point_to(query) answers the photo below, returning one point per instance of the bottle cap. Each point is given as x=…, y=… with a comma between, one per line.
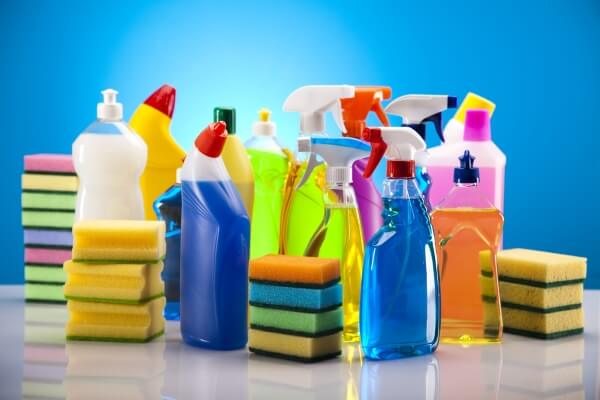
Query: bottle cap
x=466, y=173
x=477, y=126
x=473, y=102
x=163, y=99
x=227, y=115
x=110, y=110
x=211, y=140
x=264, y=126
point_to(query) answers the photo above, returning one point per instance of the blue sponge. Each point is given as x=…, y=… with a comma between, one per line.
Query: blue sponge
x=295, y=298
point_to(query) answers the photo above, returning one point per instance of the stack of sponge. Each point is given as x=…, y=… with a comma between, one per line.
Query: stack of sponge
x=541, y=293
x=48, y=199
x=295, y=307
x=114, y=289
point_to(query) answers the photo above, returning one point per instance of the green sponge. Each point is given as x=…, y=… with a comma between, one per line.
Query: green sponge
x=48, y=200
x=41, y=273
x=296, y=323
x=48, y=219
x=44, y=292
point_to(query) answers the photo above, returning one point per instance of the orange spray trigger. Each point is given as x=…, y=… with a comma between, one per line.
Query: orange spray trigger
x=356, y=109
x=378, y=148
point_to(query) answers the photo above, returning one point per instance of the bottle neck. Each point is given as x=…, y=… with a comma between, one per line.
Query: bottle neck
x=339, y=194
x=403, y=203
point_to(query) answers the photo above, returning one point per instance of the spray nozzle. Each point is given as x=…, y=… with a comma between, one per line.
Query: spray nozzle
x=417, y=109
x=109, y=109
x=397, y=144
x=339, y=153
x=313, y=101
x=466, y=173
x=356, y=109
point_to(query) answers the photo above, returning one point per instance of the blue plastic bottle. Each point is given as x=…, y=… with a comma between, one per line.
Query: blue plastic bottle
x=400, y=296
x=215, y=247
x=167, y=207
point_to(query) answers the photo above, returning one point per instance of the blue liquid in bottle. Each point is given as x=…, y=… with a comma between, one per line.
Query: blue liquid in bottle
x=214, y=266
x=424, y=182
x=168, y=208
x=400, y=303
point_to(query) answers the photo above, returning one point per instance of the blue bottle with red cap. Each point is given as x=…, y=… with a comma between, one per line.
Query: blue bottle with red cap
x=215, y=247
x=400, y=293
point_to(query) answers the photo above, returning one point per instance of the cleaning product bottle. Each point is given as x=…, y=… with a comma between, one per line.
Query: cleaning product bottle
x=269, y=166
x=416, y=110
x=168, y=208
x=339, y=235
x=400, y=301
x=455, y=128
x=215, y=246
x=490, y=160
x=152, y=121
x=355, y=112
x=109, y=159
x=235, y=158
x=467, y=230
x=304, y=208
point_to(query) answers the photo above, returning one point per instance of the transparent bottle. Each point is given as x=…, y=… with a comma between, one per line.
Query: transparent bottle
x=468, y=230
x=168, y=208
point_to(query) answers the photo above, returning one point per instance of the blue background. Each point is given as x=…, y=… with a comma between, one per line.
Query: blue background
x=538, y=60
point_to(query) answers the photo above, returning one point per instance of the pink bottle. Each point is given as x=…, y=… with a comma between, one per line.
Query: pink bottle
x=490, y=159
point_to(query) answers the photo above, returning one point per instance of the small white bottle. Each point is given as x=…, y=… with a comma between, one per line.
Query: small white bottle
x=109, y=159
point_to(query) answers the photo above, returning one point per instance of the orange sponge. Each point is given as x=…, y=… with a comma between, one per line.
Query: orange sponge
x=293, y=270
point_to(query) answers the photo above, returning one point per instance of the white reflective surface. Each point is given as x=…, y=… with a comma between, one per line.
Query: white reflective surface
x=35, y=362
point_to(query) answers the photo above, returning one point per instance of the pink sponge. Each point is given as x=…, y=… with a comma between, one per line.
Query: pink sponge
x=55, y=163
x=46, y=256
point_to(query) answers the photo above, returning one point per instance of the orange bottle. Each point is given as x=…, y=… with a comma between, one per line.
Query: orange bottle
x=355, y=111
x=467, y=232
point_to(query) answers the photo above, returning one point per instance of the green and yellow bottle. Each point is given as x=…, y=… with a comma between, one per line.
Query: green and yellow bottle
x=270, y=166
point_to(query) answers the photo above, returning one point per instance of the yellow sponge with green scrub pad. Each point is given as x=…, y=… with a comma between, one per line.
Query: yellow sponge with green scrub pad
x=309, y=324
x=44, y=219
x=540, y=325
x=48, y=201
x=535, y=297
x=44, y=273
x=540, y=268
x=44, y=292
x=296, y=348
x=49, y=183
x=113, y=283
x=115, y=322
x=119, y=241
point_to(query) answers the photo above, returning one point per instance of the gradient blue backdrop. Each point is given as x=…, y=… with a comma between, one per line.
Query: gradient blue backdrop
x=538, y=60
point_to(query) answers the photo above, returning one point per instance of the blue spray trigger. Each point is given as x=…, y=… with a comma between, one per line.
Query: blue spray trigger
x=437, y=122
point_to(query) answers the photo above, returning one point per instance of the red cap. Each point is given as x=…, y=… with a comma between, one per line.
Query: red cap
x=211, y=140
x=378, y=148
x=163, y=99
x=400, y=169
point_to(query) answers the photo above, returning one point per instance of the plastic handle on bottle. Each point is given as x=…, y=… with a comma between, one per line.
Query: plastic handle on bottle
x=377, y=108
x=378, y=149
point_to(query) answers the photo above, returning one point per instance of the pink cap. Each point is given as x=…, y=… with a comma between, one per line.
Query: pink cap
x=477, y=126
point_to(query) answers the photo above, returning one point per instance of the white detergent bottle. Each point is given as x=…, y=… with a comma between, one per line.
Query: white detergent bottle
x=109, y=159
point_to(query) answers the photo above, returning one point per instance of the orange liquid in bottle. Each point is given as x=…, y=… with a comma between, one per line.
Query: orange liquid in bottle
x=466, y=244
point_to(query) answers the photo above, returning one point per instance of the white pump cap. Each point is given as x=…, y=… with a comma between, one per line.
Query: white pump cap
x=110, y=110
x=313, y=101
x=403, y=143
x=264, y=126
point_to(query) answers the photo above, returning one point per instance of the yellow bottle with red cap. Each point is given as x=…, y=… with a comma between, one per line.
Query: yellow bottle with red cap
x=355, y=111
x=152, y=121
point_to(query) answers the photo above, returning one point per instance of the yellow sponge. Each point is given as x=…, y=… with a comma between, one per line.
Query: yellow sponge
x=297, y=348
x=543, y=325
x=115, y=322
x=540, y=298
x=305, y=271
x=113, y=283
x=540, y=268
x=119, y=241
x=49, y=183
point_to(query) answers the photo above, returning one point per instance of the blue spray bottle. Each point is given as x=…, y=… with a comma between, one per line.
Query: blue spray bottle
x=167, y=207
x=416, y=110
x=400, y=295
x=215, y=247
